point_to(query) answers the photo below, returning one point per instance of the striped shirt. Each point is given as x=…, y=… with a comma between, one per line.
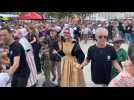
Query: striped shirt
x=31, y=63
x=30, y=60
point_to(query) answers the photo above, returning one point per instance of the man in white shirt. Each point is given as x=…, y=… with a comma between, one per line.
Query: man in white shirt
x=85, y=32
x=93, y=32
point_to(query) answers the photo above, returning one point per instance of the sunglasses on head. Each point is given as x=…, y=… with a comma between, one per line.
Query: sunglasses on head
x=105, y=37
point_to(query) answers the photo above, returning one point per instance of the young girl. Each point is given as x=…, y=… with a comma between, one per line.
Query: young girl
x=4, y=77
x=45, y=61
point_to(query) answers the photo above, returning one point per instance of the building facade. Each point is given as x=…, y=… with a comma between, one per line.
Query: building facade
x=112, y=15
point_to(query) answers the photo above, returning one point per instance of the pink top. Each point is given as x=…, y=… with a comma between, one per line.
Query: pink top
x=124, y=79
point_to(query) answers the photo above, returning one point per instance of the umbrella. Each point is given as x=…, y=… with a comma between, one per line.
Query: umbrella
x=31, y=16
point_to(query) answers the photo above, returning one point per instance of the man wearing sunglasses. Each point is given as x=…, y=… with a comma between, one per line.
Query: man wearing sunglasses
x=102, y=56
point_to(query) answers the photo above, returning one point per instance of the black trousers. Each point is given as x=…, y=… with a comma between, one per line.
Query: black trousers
x=19, y=81
x=37, y=63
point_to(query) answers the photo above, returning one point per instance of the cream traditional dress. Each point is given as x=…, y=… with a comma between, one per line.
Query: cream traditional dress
x=71, y=75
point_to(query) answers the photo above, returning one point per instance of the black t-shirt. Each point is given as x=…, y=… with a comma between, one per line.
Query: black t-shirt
x=53, y=44
x=101, y=63
x=77, y=31
x=120, y=27
x=36, y=45
x=128, y=29
x=110, y=28
x=16, y=49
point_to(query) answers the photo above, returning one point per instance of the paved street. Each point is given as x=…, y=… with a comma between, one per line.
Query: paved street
x=87, y=72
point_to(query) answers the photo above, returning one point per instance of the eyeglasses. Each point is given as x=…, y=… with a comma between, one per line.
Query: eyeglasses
x=105, y=37
x=117, y=42
x=67, y=32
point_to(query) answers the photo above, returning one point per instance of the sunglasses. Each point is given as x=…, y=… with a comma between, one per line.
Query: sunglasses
x=105, y=37
x=117, y=42
x=67, y=32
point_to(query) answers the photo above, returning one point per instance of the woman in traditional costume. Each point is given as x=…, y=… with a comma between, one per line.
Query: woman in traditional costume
x=71, y=76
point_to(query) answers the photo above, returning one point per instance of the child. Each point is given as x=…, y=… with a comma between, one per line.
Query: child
x=3, y=59
x=121, y=53
x=45, y=61
x=4, y=77
x=53, y=44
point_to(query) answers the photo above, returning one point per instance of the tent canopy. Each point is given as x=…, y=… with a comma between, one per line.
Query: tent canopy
x=4, y=18
x=8, y=15
x=31, y=16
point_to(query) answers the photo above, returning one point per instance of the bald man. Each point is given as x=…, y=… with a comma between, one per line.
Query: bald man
x=102, y=56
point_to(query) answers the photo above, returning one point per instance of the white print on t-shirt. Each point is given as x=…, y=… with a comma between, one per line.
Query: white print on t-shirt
x=108, y=58
x=11, y=52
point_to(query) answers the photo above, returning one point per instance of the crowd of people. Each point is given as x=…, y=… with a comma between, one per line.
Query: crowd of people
x=29, y=49
x=123, y=27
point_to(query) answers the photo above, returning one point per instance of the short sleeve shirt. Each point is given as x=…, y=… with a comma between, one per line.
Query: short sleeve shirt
x=101, y=63
x=16, y=49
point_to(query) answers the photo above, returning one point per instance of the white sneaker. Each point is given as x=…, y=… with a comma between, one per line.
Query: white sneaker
x=55, y=82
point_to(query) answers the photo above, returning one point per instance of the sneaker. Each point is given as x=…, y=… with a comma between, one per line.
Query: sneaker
x=49, y=84
x=53, y=78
